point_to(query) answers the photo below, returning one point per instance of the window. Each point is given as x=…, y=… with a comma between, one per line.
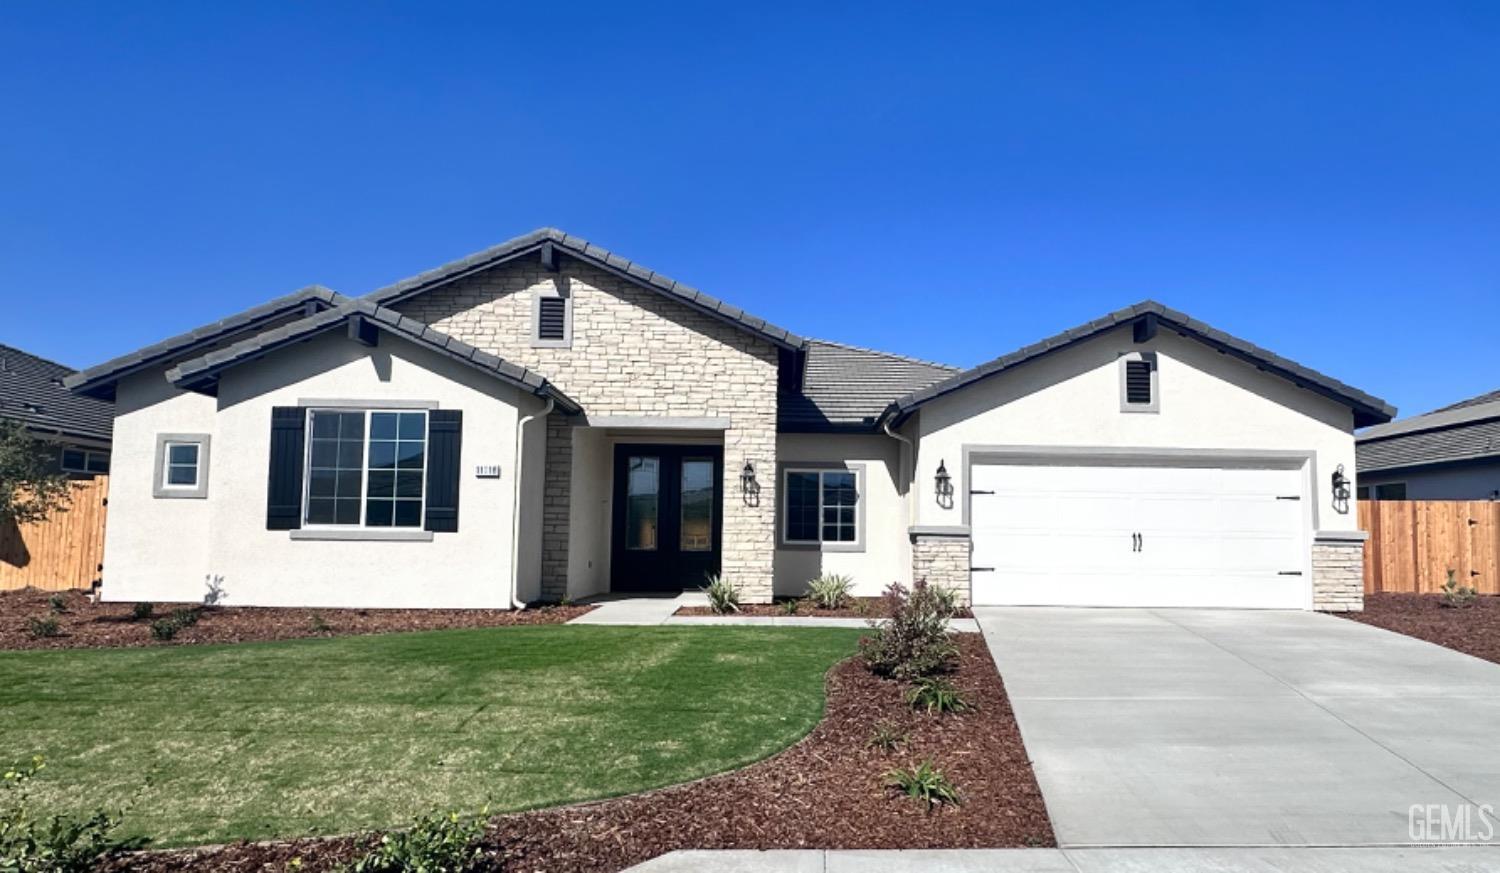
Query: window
x=1390, y=491
x=76, y=460
x=821, y=506
x=365, y=468
x=552, y=321
x=642, y=503
x=181, y=465
x=697, y=505
x=1138, y=382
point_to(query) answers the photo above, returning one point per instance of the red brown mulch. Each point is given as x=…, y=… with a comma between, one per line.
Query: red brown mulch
x=864, y=607
x=1473, y=630
x=85, y=625
x=826, y=792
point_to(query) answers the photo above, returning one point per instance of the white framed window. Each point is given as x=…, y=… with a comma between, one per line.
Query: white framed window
x=77, y=460
x=1139, y=383
x=551, y=320
x=821, y=507
x=181, y=468
x=365, y=468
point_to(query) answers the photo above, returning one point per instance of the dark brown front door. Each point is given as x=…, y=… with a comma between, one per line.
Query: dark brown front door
x=668, y=502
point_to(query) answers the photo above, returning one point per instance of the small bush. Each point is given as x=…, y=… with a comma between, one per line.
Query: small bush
x=30, y=843
x=1456, y=596
x=433, y=844
x=165, y=628
x=925, y=783
x=913, y=641
x=43, y=626
x=57, y=603
x=723, y=595
x=830, y=590
x=318, y=623
x=185, y=617
x=789, y=607
x=142, y=611
x=937, y=696
x=886, y=737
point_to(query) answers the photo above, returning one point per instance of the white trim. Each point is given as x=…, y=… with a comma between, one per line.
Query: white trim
x=1149, y=359
x=536, y=320
x=161, y=466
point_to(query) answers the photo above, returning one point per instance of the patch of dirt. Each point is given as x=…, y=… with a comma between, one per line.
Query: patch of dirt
x=1473, y=630
x=826, y=792
x=85, y=625
x=861, y=607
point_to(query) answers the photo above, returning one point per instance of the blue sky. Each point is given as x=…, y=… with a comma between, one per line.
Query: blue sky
x=942, y=181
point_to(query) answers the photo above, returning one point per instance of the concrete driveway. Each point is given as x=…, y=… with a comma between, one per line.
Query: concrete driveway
x=1230, y=728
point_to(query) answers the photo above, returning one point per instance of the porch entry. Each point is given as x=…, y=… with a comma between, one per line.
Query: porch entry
x=668, y=516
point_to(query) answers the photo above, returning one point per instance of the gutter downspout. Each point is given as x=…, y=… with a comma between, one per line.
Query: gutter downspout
x=515, y=503
x=909, y=452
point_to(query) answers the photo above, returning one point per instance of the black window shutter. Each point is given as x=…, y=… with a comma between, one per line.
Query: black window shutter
x=284, y=482
x=1138, y=382
x=552, y=317
x=445, y=431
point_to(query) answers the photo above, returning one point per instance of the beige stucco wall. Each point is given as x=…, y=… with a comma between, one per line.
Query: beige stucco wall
x=634, y=353
x=165, y=548
x=885, y=556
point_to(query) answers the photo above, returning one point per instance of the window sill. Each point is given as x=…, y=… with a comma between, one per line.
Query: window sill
x=820, y=547
x=364, y=535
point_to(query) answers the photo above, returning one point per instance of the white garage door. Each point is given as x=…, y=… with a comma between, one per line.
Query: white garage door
x=1138, y=536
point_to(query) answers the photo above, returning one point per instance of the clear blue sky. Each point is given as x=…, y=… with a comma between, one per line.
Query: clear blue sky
x=930, y=179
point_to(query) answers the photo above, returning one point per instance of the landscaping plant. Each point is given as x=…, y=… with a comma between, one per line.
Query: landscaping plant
x=913, y=641
x=789, y=607
x=723, y=595
x=142, y=611
x=1456, y=595
x=318, y=623
x=830, y=590
x=937, y=696
x=433, y=844
x=924, y=782
x=57, y=603
x=165, y=628
x=886, y=737
x=30, y=843
x=31, y=486
x=46, y=626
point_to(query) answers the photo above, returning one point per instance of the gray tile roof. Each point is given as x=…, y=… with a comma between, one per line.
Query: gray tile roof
x=32, y=392
x=1464, y=431
x=201, y=374
x=99, y=380
x=599, y=257
x=847, y=388
x=1367, y=409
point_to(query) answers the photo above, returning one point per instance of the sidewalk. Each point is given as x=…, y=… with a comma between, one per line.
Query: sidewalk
x=648, y=610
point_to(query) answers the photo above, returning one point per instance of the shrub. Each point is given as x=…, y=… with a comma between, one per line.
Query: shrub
x=318, y=623
x=185, y=617
x=924, y=782
x=142, y=611
x=30, y=843
x=937, y=696
x=830, y=590
x=165, y=628
x=57, y=603
x=433, y=844
x=886, y=737
x=789, y=607
x=1456, y=595
x=723, y=595
x=44, y=626
x=913, y=641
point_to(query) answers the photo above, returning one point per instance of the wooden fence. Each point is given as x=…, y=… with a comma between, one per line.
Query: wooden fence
x=65, y=551
x=1414, y=543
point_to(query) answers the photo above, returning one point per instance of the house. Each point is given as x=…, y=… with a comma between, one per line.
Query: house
x=1451, y=453
x=546, y=419
x=76, y=427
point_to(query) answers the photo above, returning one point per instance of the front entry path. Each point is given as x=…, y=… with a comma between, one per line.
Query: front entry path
x=660, y=609
x=1245, y=728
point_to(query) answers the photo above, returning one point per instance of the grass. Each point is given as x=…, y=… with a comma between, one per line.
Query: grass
x=208, y=744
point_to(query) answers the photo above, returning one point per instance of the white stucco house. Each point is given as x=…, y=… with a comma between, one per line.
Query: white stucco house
x=546, y=419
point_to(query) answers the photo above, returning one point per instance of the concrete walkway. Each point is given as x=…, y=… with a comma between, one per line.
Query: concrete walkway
x=659, y=609
x=1238, y=728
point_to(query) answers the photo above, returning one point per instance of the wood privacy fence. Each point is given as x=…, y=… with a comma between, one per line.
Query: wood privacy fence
x=65, y=551
x=1414, y=543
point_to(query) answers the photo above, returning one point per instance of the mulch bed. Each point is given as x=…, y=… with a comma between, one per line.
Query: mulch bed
x=1473, y=630
x=862, y=607
x=85, y=625
x=825, y=792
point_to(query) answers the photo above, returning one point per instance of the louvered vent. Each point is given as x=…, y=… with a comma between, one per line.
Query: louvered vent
x=552, y=318
x=1138, y=382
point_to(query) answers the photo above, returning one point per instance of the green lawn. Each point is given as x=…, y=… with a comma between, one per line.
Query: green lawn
x=213, y=743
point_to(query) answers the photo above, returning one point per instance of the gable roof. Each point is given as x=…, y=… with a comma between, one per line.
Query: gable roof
x=1464, y=431
x=99, y=381
x=847, y=388
x=202, y=373
x=1367, y=409
x=32, y=392
x=601, y=258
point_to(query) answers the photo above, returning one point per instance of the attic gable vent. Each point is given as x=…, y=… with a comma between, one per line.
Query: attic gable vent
x=1137, y=382
x=550, y=321
x=1139, y=391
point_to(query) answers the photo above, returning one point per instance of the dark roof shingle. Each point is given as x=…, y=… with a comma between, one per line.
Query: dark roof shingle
x=846, y=387
x=1464, y=431
x=32, y=392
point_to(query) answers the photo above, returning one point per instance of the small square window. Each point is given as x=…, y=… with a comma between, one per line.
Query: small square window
x=181, y=465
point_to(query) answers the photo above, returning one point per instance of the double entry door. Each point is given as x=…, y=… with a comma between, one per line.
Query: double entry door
x=667, y=519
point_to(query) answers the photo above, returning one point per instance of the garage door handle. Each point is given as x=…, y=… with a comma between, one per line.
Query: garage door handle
x=974, y=491
x=981, y=569
x=1289, y=573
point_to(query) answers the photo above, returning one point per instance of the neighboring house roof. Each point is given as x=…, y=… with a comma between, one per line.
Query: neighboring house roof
x=847, y=388
x=1465, y=431
x=576, y=247
x=99, y=381
x=32, y=392
x=202, y=373
x=1150, y=315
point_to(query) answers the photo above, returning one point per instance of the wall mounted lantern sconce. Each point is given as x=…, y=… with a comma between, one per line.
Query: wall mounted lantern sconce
x=1340, y=490
x=942, y=485
x=749, y=488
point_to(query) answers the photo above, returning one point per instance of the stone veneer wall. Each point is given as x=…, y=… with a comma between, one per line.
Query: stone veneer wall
x=942, y=559
x=634, y=352
x=1338, y=567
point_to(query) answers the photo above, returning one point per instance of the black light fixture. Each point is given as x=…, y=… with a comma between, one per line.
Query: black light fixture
x=942, y=483
x=1340, y=485
x=749, y=488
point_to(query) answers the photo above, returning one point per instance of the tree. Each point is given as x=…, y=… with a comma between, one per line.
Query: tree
x=31, y=486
